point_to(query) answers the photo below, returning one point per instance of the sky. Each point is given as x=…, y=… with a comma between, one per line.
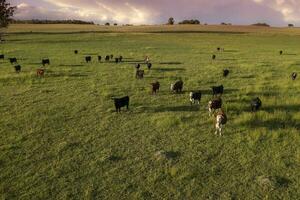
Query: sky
x=241, y=12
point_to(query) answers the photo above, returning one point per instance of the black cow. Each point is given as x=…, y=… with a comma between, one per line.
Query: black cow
x=18, y=68
x=139, y=74
x=138, y=66
x=99, y=58
x=214, y=105
x=121, y=58
x=225, y=72
x=219, y=49
x=294, y=76
x=217, y=90
x=88, y=59
x=177, y=86
x=280, y=52
x=107, y=58
x=121, y=102
x=255, y=104
x=76, y=51
x=155, y=87
x=13, y=60
x=195, y=96
x=214, y=57
x=111, y=56
x=45, y=61
x=2, y=57
x=149, y=65
x=117, y=60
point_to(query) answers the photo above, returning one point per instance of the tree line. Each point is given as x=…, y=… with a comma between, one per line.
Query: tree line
x=40, y=21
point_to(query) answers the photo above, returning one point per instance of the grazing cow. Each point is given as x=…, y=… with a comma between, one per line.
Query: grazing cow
x=121, y=102
x=107, y=58
x=214, y=57
x=13, y=60
x=121, y=58
x=255, y=104
x=219, y=49
x=221, y=120
x=294, y=76
x=99, y=58
x=177, y=86
x=155, y=87
x=214, y=105
x=139, y=74
x=117, y=60
x=88, y=59
x=138, y=66
x=195, y=96
x=76, y=51
x=147, y=59
x=111, y=56
x=280, y=52
x=18, y=68
x=217, y=90
x=45, y=61
x=225, y=72
x=2, y=57
x=149, y=65
x=40, y=72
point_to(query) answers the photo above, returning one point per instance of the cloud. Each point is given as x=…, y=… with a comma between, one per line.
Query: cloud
x=275, y=12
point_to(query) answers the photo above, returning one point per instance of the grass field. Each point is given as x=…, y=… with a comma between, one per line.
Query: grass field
x=60, y=137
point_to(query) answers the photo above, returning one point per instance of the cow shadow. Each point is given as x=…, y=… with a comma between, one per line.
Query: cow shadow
x=247, y=76
x=34, y=63
x=87, y=54
x=134, y=61
x=62, y=74
x=274, y=124
x=227, y=59
x=64, y=65
x=168, y=69
x=184, y=108
x=259, y=94
x=170, y=63
x=289, y=54
x=288, y=108
x=226, y=91
x=231, y=51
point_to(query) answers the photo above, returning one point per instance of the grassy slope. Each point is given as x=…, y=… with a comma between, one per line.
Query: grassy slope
x=60, y=137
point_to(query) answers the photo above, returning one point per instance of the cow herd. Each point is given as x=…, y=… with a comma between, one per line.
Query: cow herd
x=214, y=105
x=18, y=68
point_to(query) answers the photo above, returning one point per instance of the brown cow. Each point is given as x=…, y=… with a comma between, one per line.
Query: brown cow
x=40, y=72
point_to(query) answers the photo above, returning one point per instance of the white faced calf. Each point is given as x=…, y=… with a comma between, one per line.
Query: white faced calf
x=195, y=96
x=221, y=120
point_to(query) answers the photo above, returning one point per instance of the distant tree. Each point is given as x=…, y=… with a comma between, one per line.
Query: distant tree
x=261, y=24
x=171, y=21
x=226, y=24
x=6, y=12
x=107, y=24
x=115, y=24
x=192, y=21
x=41, y=21
x=291, y=25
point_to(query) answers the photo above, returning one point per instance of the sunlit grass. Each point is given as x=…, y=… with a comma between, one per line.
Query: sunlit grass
x=60, y=137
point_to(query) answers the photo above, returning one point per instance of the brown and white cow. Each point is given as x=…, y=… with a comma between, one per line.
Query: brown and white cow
x=221, y=120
